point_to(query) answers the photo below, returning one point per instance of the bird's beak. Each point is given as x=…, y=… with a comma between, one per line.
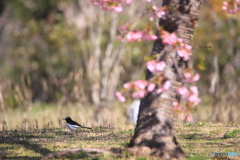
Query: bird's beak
x=64, y=118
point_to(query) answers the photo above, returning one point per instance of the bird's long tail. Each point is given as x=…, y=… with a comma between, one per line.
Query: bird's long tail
x=86, y=127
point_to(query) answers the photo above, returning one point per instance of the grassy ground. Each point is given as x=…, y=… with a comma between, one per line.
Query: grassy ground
x=196, y=139
x=40, y=131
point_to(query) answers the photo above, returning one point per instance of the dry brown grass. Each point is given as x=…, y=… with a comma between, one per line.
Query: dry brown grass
x=45, y=116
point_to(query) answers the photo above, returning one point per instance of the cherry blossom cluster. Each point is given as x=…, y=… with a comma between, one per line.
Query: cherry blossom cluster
x=116, y=6
x=192, y=99
x=191, y=95
x=141, y=88
x=156, y=12
x=183, y=50
x=231, y=6
x=190, y=78
x=112, y=5
x=179, y=109
x=133, y=36
x=154, y=66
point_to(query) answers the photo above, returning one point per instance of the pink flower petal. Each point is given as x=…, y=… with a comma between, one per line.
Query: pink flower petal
x=128, y=1
x=118, y=9
x=194, y=99
x=189, y=118
x=159, y=90
x=128, y=85
x=183, y=91
x=166, y=85
x=151, y=87
x=119, y=96
x=187, y=75
x=160, y=66
x=139, y=94
x=141, y=84
x=194, y=89
x=196, y=77
x=174, y=103
x=151, y=65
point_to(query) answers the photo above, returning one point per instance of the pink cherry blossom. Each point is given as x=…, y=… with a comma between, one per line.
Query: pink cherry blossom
x=194, y=99
x=134, y=36
x=159, y=90
x=183, y=91
x=196, y=77
x=121, y=38
x=185, y=52
x=139, y=94
x=119, y=96
x=128, y=1
x=154, y=66
x=160, y=13
x=194, y=89
x=175, y=103
x=128, y=85
x=141, y=84
x=111, y=5
x=176, y=106
x=169, y=38
x=151, y=87
x=166, y=85
x=157, y=12
x=160, y=66
x=155, y=8
x=118, y=9
x=151, y=65
x=231, y=6
x=124, y=28
x=187, y=75
x=189, y=78
x=150, y=37
x=189, y=118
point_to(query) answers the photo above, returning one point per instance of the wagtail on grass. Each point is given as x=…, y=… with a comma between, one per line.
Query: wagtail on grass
x=72, y=125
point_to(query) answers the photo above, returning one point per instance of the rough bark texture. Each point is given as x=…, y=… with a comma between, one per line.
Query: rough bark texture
x=155, y=131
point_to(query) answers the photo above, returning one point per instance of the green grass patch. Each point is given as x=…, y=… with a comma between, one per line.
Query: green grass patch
x=200, y=123
x=232, y=134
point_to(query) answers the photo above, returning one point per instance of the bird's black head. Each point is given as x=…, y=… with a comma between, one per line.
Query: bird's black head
x=67, y=119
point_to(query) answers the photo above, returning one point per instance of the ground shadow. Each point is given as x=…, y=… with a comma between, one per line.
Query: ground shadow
x=23, y=139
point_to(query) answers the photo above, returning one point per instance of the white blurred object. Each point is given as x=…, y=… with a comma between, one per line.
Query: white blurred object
x=133, y=113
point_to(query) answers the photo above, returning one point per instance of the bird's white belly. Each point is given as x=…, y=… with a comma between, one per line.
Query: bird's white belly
x=72, y=127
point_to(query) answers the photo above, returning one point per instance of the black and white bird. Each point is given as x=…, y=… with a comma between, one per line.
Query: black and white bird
x=72, y=125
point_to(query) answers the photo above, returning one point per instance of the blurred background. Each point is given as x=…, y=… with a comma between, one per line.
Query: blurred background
x=62, y=58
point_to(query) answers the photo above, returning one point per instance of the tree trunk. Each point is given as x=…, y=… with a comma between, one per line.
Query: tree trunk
x=155, y=131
